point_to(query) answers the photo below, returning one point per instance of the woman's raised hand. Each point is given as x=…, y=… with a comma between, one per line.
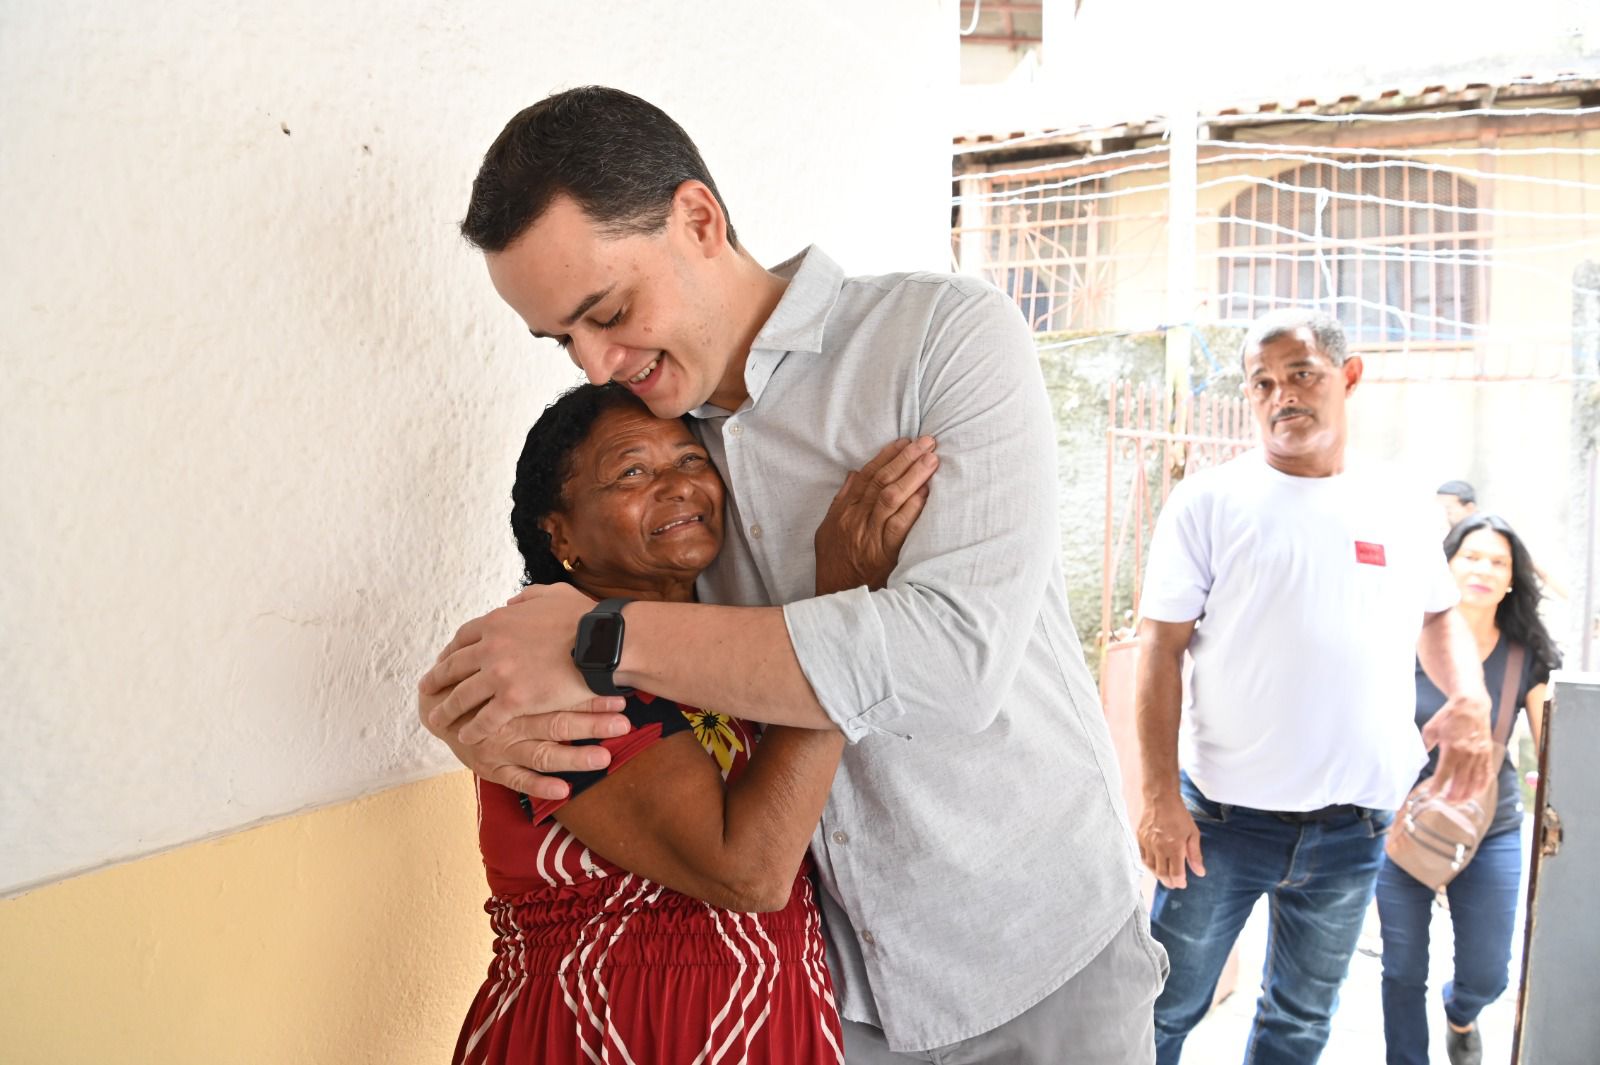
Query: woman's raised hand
x=859, y=540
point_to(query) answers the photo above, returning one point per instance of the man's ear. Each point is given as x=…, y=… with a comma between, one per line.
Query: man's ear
x=697, y=211
x=1353, y=367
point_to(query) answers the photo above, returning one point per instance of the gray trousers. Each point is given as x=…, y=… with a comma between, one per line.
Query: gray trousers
x=1102, y=1016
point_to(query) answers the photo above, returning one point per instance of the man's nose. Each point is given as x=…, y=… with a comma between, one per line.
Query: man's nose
x=598, y=358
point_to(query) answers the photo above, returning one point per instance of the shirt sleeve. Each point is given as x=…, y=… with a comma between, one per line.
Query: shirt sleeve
x=938, y=650
x=1178, y=575
x=1440, y=591
x=653, y=720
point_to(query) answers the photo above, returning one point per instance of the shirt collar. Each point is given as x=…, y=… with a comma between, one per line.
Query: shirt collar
x=796, y=324
x=802, y=312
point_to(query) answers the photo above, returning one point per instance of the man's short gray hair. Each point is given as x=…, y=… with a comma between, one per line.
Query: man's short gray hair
x=1326, y=332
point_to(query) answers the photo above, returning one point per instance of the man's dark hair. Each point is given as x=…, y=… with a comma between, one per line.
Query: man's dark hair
x=620, y=158
x=1461, y=490
x=1326, y=332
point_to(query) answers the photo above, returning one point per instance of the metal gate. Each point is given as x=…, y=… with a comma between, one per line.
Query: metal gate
x=1149, y=447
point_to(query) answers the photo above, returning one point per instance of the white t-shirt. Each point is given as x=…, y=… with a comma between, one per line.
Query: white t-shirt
x=1310, y=593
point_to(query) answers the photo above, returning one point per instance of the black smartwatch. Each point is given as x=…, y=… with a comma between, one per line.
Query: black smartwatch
x=598, y=650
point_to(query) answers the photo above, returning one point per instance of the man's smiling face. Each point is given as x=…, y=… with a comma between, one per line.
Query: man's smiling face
x=639, y=309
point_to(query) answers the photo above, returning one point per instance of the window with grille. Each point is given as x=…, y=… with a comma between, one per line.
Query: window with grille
x=1045, y=245
x=1391, y=248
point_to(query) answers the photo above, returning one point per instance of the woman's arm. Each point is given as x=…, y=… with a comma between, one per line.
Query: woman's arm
x=1536, y=697
x=667, y=814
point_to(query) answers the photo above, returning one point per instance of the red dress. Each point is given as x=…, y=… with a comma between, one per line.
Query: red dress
x=594, y=964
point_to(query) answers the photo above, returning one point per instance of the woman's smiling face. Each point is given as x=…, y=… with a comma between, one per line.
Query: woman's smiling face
x=642, y=507
x=1482, y=568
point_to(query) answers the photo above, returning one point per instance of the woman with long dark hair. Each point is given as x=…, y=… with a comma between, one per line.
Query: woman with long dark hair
x=1500, y=595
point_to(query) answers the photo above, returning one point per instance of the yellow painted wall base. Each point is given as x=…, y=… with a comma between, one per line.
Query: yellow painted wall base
x=349, y=935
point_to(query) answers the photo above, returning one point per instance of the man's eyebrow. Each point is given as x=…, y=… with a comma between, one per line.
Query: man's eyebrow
x=588, y=301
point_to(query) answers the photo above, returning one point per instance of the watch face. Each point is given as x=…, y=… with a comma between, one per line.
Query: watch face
x=599, y=644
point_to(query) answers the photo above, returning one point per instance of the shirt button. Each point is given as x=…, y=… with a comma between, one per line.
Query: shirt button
x=841, y=837
x=755, y=532
x=868, y=938
x=735, y=430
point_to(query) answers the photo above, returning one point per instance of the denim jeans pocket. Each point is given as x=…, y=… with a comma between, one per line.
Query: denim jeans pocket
x=1200, y=807
x=1378, y=822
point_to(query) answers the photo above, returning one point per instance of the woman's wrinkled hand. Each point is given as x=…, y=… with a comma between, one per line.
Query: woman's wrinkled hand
x=859, y=540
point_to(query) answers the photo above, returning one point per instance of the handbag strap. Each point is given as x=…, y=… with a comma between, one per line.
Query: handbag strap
x=1508, y=694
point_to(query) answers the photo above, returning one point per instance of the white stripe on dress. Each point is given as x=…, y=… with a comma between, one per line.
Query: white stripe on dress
x=565, y=969
x=733, y=990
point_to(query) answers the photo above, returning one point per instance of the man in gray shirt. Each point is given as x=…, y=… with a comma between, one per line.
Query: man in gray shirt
x=978, y=872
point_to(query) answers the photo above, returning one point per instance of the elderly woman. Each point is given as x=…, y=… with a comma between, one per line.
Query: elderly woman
x=1500, y=601
x=663, y=912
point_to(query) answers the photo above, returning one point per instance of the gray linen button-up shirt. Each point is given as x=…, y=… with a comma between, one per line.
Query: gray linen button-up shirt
x=974, y=851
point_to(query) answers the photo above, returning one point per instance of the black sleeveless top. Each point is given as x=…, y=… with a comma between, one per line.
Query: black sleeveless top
x=1508, y=815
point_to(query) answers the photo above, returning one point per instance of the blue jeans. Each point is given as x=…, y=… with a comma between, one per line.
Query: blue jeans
x=1483, y=912
x=1318, y=878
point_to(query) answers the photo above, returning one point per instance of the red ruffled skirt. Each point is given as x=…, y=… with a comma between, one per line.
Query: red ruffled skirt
x=620, y=969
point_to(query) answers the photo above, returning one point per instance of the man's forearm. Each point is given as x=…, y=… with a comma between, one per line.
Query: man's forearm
x=1449, y=655
x=1460, y=729
x=1159, y=704
x=736, y=660
x=1159, y=708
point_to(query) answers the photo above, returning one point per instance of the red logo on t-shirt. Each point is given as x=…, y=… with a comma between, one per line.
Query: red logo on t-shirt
x=1371, y=554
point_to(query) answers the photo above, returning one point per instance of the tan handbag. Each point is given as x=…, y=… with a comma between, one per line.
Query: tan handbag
x=1432, y=839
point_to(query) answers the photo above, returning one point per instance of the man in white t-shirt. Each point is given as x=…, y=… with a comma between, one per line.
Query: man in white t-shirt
x=1300, y=593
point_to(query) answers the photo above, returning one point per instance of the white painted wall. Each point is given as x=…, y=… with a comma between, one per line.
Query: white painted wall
x=262, y=404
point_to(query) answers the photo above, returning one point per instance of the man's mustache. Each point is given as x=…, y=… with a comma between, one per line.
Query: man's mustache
x=1291, y=412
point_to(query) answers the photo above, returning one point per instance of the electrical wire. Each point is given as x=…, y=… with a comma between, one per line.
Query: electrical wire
x=1023, y=197
x=1389, y=164
x=1385, y=201
x=1378, y=150
x=977, y=7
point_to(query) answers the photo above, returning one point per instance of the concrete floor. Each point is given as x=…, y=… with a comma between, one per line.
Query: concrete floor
x=1357, y=1037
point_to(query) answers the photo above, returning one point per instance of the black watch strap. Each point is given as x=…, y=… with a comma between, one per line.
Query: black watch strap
x=598, y=650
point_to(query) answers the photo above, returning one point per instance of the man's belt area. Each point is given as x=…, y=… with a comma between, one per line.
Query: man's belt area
x=1326, y=813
